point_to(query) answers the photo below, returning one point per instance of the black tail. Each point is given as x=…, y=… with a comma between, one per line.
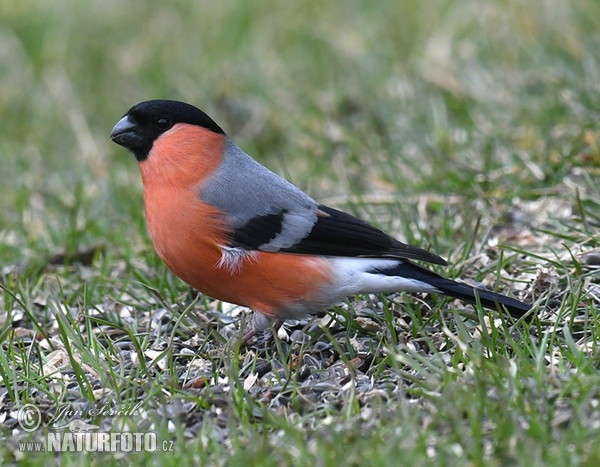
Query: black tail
x=487, y=299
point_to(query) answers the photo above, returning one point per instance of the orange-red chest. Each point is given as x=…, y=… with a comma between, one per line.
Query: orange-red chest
x=188, y=234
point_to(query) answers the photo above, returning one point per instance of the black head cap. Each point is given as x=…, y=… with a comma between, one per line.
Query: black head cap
x=146, y=121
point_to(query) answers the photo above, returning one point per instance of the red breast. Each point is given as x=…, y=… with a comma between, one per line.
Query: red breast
x=188, y=234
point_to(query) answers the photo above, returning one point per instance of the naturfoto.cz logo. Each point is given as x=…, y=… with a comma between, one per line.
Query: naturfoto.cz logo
x=98, y=442
x=79, y=436
x=111, y=442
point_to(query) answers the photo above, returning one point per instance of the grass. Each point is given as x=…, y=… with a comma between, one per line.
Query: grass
x=469, y=128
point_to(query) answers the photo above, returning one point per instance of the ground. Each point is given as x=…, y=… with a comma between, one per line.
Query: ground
x=467, y=128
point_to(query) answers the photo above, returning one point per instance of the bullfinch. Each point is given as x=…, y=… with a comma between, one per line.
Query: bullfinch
x=236, y=231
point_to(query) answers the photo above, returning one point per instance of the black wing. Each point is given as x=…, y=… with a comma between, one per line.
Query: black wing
x=334, y=233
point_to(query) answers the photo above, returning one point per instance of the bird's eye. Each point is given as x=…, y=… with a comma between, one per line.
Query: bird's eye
x=163, y=123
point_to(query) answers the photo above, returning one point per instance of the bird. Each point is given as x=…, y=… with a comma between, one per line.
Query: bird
x=236, y=231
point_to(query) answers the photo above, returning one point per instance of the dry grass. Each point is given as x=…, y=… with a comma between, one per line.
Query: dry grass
x=465, y=127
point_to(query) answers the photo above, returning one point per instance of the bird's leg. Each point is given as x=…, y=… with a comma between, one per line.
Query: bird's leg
x=259, y=324
x=247, y=336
